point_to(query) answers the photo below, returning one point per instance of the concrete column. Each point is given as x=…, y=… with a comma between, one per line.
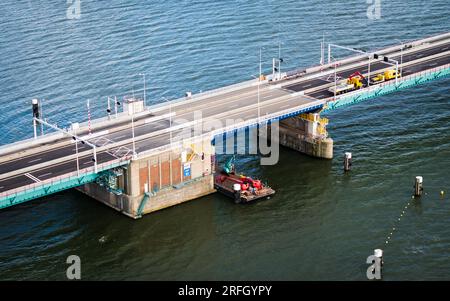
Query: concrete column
x=307, y=134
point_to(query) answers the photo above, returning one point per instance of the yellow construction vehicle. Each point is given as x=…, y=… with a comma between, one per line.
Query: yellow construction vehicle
x=354, y=82
x=357, y=80
x=385, y=76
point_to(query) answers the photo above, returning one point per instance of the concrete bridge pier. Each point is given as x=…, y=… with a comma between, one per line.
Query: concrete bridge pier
x=157, y=181
x=307, y=134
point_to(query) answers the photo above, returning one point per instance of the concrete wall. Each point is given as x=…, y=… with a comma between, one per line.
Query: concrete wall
x=122, y=203
x=303, y=135
x=161, y=178
x=172, y=196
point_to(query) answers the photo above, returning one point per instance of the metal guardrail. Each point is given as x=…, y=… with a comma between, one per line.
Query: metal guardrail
x=381, y=86
x=65, y=177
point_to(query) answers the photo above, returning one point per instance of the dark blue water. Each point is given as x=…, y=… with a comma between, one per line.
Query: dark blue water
x=321, y=225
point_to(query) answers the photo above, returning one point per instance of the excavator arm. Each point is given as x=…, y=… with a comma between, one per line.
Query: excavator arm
x=229, y=165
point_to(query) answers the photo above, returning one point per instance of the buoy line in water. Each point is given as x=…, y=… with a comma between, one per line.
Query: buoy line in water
x=397, y=221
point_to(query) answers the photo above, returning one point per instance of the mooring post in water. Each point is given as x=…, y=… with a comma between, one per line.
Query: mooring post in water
x=418, y=187
x=379, y=254
x=35, y=105
x=347, y=161
x=374, y=271
x=237, y=193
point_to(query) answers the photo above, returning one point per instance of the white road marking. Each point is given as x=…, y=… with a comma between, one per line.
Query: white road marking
x=234, y=106
x=306, y=86
x=120, y=137
x=32, y=161
x=444, y=48
x=285, y=106
x=32, y=177
x=88, y=162
x=46, y=174
x=157, y=118
x=94, y=135
x=298, y=93
x=1, y=187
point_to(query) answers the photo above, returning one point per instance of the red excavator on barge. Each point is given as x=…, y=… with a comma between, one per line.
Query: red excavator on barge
x=241, y=188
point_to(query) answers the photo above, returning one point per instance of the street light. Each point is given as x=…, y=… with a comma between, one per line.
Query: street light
x=322, y=50
x=170, y=119
x=76, y=151
x=259, y=80
x=335, y=77
x=145, y=102
x=280, y=60
x=108, y=110
x=132, y=132
x=116, y=104
x=401, y=55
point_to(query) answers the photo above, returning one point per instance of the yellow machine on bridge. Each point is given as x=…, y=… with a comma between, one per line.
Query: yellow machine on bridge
x=386, y=75
x=354, y=82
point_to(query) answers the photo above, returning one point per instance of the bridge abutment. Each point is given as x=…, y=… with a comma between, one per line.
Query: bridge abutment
x=157, y=181
x=306, y=133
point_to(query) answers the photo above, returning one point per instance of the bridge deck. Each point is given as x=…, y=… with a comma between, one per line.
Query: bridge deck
x=28, y=163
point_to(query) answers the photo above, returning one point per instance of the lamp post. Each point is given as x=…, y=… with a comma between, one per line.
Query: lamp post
x=322, y=50
x=132, y=130
x=335, y=79
x=108, y=110
x=76, y=151
x=280, y=60
x=170, y=120
x=116, y=103
x=145, y=99
x=259, y=80
x=401, y=55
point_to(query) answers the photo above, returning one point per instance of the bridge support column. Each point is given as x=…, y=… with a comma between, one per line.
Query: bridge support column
x=307, y=134
x=159, y=180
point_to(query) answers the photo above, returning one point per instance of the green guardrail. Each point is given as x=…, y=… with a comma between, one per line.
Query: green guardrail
x=382, y=90
x=53, y=187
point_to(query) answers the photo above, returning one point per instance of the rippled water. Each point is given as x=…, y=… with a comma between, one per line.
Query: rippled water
x=321, y=225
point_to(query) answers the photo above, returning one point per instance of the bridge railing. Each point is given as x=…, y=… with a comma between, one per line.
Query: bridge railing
x=416, y=75
x=68, y=176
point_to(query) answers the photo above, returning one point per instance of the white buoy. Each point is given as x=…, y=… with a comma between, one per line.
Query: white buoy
x=347, y=161
x=35, y=106
x=379, y=254
x=418, y=187
x=237, y=192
